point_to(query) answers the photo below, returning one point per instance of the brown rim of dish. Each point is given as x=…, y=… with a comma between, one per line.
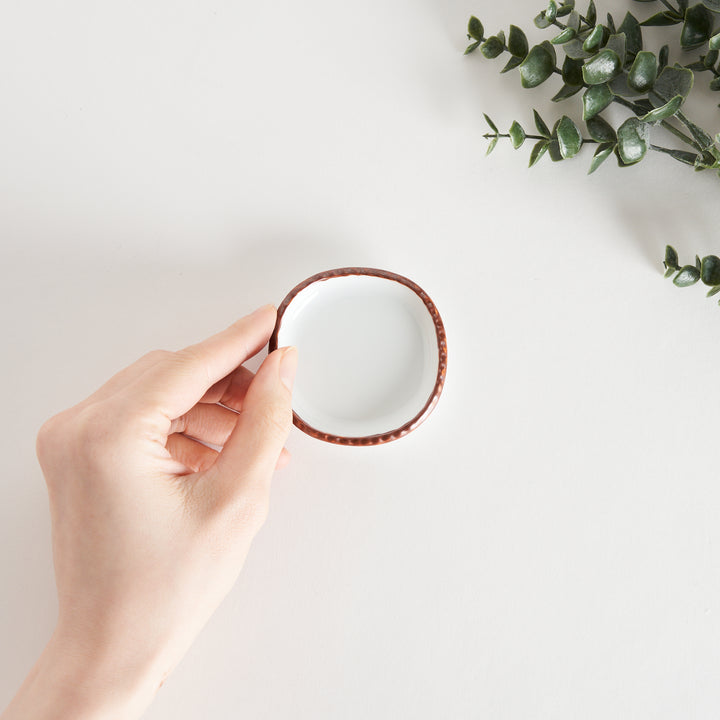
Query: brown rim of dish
x=441, y=344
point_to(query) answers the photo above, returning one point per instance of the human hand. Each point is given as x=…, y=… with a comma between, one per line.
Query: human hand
x=150, y=528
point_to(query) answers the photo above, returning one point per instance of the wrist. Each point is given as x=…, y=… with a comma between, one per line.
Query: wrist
x=71, y=679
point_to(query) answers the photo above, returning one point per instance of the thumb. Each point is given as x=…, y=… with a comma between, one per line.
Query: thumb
x=252, y=450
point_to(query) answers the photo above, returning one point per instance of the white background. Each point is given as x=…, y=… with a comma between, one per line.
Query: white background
x=547, y=545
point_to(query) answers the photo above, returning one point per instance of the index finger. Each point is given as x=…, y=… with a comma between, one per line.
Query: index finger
x=176, y=384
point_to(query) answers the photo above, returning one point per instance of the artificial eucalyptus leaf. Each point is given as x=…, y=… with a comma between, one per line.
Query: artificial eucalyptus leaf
x=633, y=141
x=517, y=134
x=710, y=270
x=551, y=11
x=670, y=82
x=616, y=42
x=472, y=47
x=704, y=140
x=565, y=9
x=633, y=34
x=566, y=35
x=664, y=111
x=684, y=156
x=569, y=137
x=714, y=42
x=541, y=21
x=490, y=123
x=663, y=56
x=601, y=130
x=603, y=67
x=574, y=49
x=713, y=5
x=539, y=149
x=715, y=83
x=710, y=58
x=542, y=128
x=688, y=275
x=662, y=19
x=611, y=24
x=565, y=92
x=517, y=42
x=551, y=50
x=491, y=145
x=669, y=272
x=554, y=151
x=475, y=29
x=603, y=152
x=591, y=14
x=713, y=291
x=619, y=86
x=671, y=258
x=511, y=64
x=574, y=21
x=572, y=71
x=537, y=67
x=595, y=100
x=492, y=47
x=643, y=72
x=698, y=27
x=594, y=39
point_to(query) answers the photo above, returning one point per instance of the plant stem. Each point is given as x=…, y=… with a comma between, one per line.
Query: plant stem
x=489, y=136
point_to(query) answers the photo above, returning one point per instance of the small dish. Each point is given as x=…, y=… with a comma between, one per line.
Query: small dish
x=372, y=355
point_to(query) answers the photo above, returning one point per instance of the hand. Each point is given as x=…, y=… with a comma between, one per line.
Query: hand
x=150, y=528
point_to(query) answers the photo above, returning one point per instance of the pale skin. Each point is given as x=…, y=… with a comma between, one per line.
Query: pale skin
x=150, y=528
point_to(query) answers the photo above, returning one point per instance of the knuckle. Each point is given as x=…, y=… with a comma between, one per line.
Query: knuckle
x=156, y=356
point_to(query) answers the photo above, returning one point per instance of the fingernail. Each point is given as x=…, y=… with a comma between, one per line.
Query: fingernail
x=288, y=367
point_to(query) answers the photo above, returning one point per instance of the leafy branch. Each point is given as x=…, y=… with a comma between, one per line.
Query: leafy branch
x=609, y=64
x=707, y=270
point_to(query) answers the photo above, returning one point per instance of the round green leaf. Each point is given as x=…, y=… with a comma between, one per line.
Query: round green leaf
x=689, y=275
x=698, y=27
x=671, y=81
x=595, y=100
x=600, y=130
x=517, y=42
x=664, y=111
x=492, y=47
x=671, y=258
x=594, y=39
x=551, y=12
x=569, y=137
x=566, y=35
x=633, y=140
x=475, y=29
x=662, y=19
x=710, y=270
x=714, y=5
x=572, y=71
x=715, y=84
x=711, y=58
x=517, y=134
x=715, y=42
x=643, y=72
x=537, y=67
x=603, y=67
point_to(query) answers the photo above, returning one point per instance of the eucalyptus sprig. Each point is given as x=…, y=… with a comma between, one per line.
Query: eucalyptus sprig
x=707, y=270
x=609, y=64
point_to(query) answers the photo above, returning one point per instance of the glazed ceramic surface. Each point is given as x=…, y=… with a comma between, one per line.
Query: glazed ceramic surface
x=372, y=354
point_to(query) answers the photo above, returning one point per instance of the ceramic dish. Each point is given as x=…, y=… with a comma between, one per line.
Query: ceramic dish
x=372, y=355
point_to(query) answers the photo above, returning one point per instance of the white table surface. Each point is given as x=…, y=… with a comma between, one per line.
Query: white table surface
x=547, y=545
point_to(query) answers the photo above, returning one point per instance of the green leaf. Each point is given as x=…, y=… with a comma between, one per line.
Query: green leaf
x=698, y=262
x=539, y=149
x=542, y=128
x=710, y=270
x=572, y=71
x=713, y=5
x=541, y=21
x=688, y=275
x=662, y=19
x=715, y=84
x=517, y=134
x=713, y=291
x=594, y=39
x=537, y=67
x=633, y=137
x=551, y=12
x=704, y=140
x=492, y=47
x=565, y=92
x=595, y=100
x=698, y=27
x=569, y=137
x=475, y=29
x=472, y=47
x=611, y=24
x=603, y=152
x=633, y=34
x=591, y=14
x=643, y=72
x=670, y=82
x=671, y=258
x=603, y=67
x=554, y=151
x=664, y=111
x=492, y=144
x=566, y=35
x=601, y=130
x=574, y=49
x=711, y=58
x=684, y=156
x=668, y=273
x=511, y=64
x=616, y=42
x=490, y=123
x=663, y=57
x=517, y=42
x=619, y=86
x=715, y=42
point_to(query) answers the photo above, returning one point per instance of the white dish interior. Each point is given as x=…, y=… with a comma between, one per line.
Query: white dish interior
x=368, y=354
